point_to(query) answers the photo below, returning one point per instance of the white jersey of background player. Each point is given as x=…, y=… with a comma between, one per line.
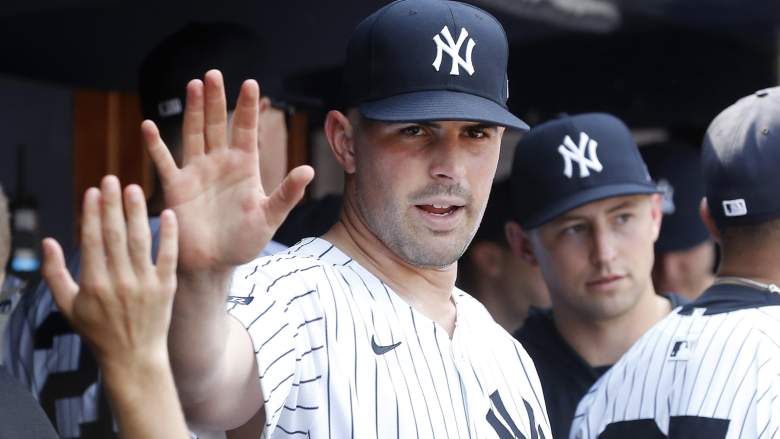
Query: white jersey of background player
x=44, y=353
x=361, y=333
x=711, y=369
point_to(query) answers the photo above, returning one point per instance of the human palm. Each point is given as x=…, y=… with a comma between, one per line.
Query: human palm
x=225, y=217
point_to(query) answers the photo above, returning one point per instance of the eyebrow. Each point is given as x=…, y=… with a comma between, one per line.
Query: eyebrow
x=623, y=205
x=483, y=126
x=565, y=218
x=434, y=124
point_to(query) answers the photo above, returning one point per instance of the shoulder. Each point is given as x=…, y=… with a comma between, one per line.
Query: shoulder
x=298, y=266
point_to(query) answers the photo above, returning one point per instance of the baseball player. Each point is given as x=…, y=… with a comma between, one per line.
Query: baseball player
x=587, y=213
x=361, y=332
x=506, y=284
x=710, y=369
x=41, y=349
x=684, y=252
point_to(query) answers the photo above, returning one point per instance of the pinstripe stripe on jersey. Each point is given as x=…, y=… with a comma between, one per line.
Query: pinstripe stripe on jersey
x=80, y=408
x=426, y=386
x=724, y=381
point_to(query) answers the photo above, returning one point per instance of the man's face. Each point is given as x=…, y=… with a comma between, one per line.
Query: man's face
x=686, y=271
x=597, y=258
x=421, y=188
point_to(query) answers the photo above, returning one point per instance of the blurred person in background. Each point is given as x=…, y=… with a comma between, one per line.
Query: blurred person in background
x=42, y=350
x=11, y=287
x=685, y=255
x=506, y=284
x=20, y=414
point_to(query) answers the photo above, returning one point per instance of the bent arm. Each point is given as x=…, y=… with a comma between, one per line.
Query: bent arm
x=212, y=357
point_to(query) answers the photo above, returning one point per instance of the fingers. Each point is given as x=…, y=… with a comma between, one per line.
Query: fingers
x=161, y=156
x=245, y=118
x=194, y=143
x=93, y=259
x=167, y=255
x=138, y=235
x=216, y=113
x=113, y=225
x=287, y=195
x=56, y=274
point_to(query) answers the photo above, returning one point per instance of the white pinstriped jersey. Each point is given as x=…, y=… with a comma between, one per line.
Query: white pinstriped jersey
x=340, y=355
x=42, y=351
x=711, y=369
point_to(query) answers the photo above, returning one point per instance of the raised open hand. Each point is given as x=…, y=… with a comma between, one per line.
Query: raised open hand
x=122, y=303
x=225, y=217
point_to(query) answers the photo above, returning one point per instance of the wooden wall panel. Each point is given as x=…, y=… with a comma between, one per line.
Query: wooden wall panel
x=107, y=140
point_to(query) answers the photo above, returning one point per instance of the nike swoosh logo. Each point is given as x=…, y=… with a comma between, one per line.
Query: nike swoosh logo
x=381, y=350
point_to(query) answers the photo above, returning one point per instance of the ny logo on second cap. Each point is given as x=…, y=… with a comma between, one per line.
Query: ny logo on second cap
x=572, y=152
x=453, y=50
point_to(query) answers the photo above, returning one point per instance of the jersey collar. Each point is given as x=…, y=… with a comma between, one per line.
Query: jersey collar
x=723, y=298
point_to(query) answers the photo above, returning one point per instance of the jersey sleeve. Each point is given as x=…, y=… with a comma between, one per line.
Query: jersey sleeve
x=276, y=299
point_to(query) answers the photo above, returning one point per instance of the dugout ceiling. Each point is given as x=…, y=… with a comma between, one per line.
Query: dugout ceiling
x=628, y=55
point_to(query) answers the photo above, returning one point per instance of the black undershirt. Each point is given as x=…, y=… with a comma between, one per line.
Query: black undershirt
x=564, y=374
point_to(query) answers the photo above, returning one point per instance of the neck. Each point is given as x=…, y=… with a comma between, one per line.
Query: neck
x=427, y=289
x=602, y=342
x=756, y=264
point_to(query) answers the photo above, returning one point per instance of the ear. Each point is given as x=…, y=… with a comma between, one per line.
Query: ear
x=520, y=242
x=708, y=220
x=487, y=258
x=341, y=137
x=656, y=214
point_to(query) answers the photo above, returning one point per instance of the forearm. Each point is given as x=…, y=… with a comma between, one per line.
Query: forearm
x=212, y=356
x=144, y=399
x=199, y=328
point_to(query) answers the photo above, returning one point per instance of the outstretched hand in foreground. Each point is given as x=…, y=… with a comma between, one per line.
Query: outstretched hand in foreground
x=122, y=306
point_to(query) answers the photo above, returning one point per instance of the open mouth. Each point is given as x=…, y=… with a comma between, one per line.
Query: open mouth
x=438, y=210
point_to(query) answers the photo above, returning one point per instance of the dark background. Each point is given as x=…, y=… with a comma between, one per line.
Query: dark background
x=655, y=63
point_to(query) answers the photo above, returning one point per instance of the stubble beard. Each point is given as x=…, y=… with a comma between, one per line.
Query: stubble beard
x=389, y=225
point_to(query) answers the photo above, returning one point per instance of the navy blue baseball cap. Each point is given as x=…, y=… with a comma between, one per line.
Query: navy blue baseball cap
x=571, y=161
x=188, y=53
x=428, y=60
x=676, y=168
x=741, y=159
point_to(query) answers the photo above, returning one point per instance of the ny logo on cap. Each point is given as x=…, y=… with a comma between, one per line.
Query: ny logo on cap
x=573, y=152
x=453, y=50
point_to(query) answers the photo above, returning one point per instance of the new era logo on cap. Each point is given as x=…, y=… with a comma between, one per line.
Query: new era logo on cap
x=572, y=152
x=736, y=207
x=452, y=49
